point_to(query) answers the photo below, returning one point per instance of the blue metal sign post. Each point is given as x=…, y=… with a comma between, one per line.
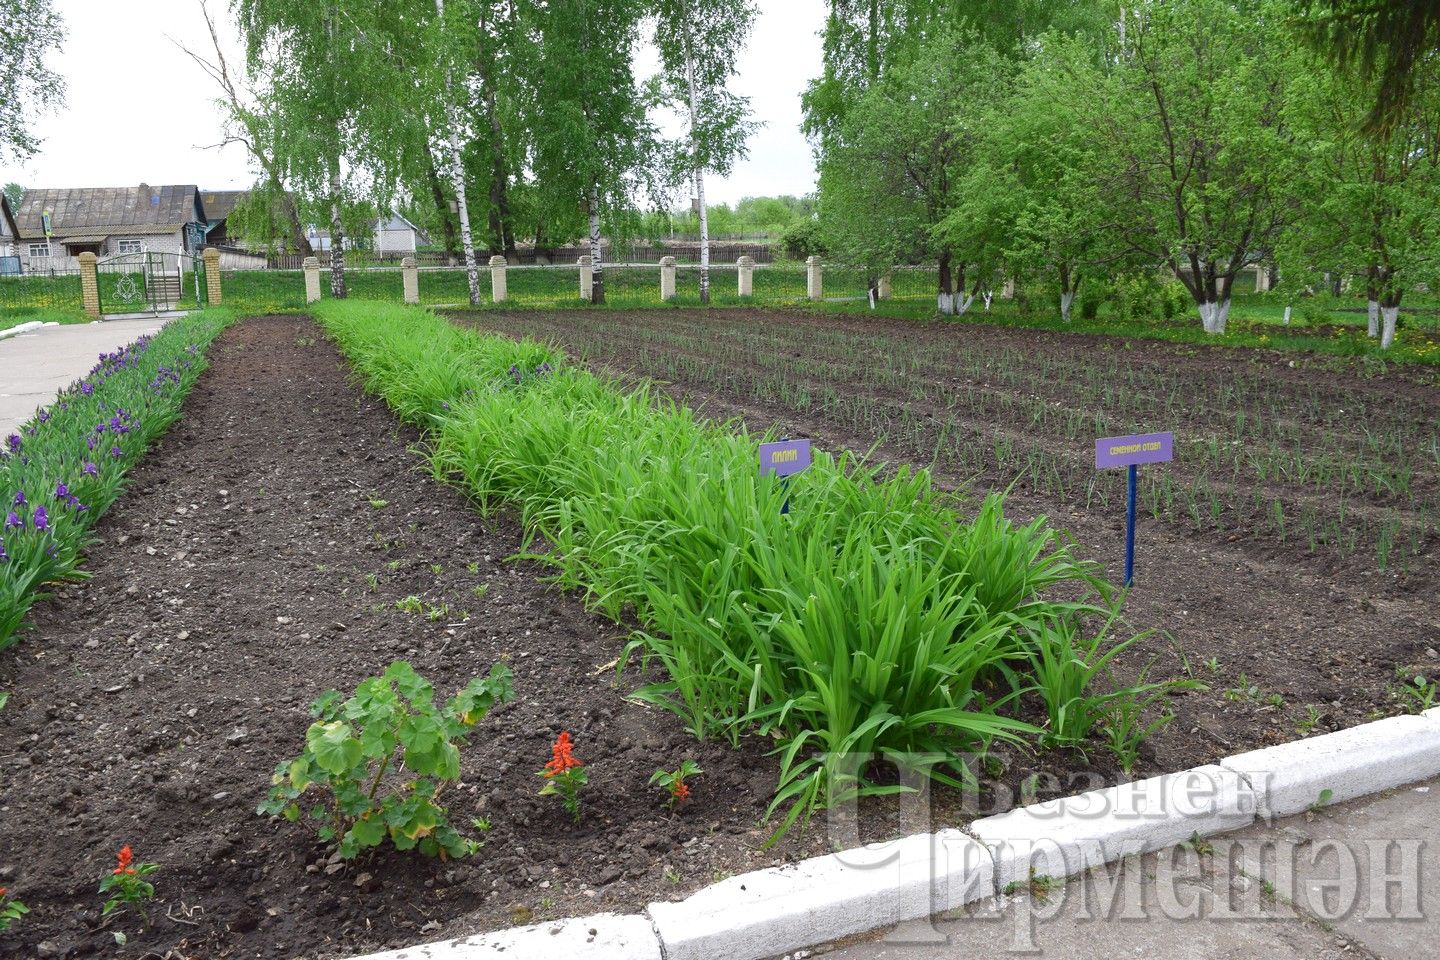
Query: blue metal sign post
x=1131, y=452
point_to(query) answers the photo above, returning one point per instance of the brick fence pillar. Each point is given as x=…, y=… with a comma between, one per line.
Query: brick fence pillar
x=746, y=269
x=667, y=279
x=587, y=279
x=410, y=280
x=312, y=279
x=814, y=279
x=499, y=287
x=213, y=293
x=89, y=285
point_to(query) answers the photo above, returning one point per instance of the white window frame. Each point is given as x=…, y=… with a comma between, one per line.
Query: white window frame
x=40, y=250
x=130, y=245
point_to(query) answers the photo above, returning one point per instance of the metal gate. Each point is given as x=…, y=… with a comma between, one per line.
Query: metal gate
x=150, y=283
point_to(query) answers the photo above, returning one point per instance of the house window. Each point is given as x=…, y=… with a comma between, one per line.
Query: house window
x=39, y=249
x=129, y=246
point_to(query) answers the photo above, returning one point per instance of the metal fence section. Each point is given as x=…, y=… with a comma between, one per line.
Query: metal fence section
x=150, y=283
x=40, y=295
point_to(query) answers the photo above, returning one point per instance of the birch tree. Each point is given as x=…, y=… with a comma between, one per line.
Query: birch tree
x=698, y=41
x=592, y=139
x=440, y=32
x=325, y=66
x=29, y=30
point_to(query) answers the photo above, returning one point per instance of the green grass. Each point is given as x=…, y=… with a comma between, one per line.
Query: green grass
x=879, y=618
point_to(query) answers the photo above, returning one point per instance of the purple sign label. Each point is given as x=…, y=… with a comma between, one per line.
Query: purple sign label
x=784, y=458
x=1133, y=451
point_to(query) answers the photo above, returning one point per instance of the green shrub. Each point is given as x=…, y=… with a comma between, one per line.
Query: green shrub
x=378, y=761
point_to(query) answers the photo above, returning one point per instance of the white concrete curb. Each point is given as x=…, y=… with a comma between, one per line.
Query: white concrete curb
x=1060, y=838
x=605, y=936
x=770, y=912
x=18, y=329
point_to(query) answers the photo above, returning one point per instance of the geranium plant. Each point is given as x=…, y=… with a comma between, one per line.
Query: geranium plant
x=127, y=885
x=673, y=782
x=10, y=910
x=564, y=775
x=378, y=761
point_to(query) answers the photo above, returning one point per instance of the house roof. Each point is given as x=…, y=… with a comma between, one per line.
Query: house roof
x=219, y=203
x=141, y=210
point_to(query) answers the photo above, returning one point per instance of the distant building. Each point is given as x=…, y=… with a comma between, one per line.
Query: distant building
x=218, y=206
x=398, y=235
x=9, y=239
x=56, y=226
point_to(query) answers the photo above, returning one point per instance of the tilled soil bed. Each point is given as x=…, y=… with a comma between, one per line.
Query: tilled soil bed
x=255, y=562
x=1287, y=642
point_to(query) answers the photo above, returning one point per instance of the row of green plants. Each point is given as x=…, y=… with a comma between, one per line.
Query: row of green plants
x=869, y=621
x=62, y=469
x=1300, y=461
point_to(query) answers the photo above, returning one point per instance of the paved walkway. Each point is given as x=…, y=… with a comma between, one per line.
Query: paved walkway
x=1359, y=880
x=34, y=366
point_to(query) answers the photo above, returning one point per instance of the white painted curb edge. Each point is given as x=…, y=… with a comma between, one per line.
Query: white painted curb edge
x=766, y=913
x=26, y=327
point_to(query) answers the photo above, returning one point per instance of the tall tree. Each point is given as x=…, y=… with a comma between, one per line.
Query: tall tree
x=1372, y=192
x=698, y=42
x=249, y=122
x=29, y=31
x=591, y=137
x=326, y=64
x=1195, y=153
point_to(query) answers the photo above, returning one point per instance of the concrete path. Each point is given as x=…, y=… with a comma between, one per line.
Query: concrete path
x=1359, y=880
x=34, y=366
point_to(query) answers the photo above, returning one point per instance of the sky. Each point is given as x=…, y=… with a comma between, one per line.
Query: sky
x=140, y=111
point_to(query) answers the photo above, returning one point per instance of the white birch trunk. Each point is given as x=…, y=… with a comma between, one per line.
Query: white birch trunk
x=457, y=178
x=597, y=256
x=1373, y=309
x=1067, y=300
x=1387, y=336
x=337, y=236
x=699, y=174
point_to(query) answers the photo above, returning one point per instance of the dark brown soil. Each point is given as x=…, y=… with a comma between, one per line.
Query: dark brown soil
x=1288, y=642
x=245, y=572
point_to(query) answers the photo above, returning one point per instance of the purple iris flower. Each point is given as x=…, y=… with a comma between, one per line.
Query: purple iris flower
x=91, y=470
x=42, y=519
x=20, y=500
x=61, y=491
x=14, y=441
x=116, y=452
x=86, y=388
x=90, y=442
x=13, y=521
x=44, y=416
x=3, y=554
x=76, y=505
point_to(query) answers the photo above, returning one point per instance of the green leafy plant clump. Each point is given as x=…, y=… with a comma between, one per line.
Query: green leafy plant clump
x=378, y=761
x=867, y=623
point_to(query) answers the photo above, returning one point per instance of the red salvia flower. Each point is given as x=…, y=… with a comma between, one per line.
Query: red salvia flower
x=679, y=791
x=561, y=757
x=123, y=859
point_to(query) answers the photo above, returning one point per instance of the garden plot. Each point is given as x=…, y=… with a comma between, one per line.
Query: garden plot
x=280, y=541
x=1287, y=557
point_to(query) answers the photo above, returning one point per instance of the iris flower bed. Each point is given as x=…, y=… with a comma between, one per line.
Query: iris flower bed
x=870, y=621
x=60, y=471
